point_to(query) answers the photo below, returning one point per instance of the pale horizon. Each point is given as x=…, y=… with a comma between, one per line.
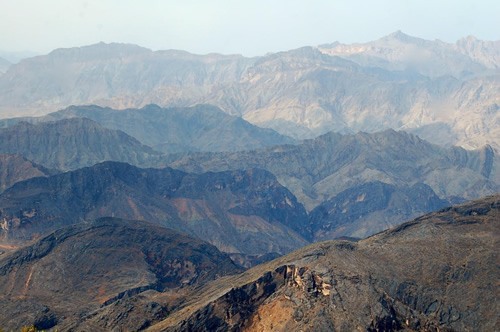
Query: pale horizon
x=247, y=28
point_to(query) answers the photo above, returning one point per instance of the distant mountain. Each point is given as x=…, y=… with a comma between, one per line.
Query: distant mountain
x=399, y=51
x=4, y=65
x=485, y=52
x=447, y=93
x=435, y=273
x=338, y=168
x=171, y=130
x=64, y=277
x=117, y=75
x=371, y=207
x=16, y=56
x=72, y=143
x=243, y=212
x=14, y=168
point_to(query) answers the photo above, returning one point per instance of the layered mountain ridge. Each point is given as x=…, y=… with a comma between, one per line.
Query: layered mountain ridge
x=171, y=130
x=448, y=93
x=331, y=170
x=15, y=168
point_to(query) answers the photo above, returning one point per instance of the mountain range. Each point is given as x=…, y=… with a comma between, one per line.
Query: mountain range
x=351, y=185
x=167, y=191
x=447, y=93
x=469, y=56
x=347, y=170
x=72, y=143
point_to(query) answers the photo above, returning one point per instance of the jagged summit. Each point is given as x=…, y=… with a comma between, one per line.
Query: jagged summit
x=403, y=37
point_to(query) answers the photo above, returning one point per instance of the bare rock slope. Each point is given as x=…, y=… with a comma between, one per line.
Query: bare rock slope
x=61, y=279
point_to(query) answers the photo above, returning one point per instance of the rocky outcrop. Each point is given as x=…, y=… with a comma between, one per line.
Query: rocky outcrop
x=435, y=273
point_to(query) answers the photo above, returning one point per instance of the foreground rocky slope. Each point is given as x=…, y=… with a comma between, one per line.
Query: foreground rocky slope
x=63, y=278
x=446, y=93
x=245, y=212
x=436, y=273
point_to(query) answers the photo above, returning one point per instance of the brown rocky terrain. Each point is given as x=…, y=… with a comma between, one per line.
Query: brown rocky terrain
x=242, y=212
x=63, y=278
x=438, y=272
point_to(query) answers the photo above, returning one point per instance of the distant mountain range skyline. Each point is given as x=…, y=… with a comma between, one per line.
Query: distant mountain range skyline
x=16, y=55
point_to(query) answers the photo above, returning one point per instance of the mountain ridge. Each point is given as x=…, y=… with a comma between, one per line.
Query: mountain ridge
x=243, y=212
x=173, y=130
x=72, y=143
x=339, y=168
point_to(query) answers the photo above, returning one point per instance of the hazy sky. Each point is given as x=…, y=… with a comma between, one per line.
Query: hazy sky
x=251, y=27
